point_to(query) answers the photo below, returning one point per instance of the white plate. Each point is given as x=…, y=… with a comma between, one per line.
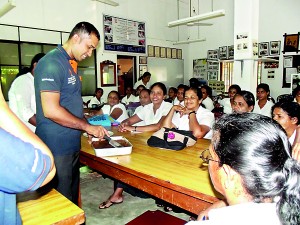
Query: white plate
x=109, y=132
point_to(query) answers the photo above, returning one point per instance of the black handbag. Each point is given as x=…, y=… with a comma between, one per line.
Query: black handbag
x=171, y=138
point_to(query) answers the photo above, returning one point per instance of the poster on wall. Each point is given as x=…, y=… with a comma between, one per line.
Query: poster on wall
x=291, y=43
x=273, y=65
x=255, y=48
x=271, y=74
x=200, y=69
x=242, y=40
x=291, y=65
x=295, y=81
x=124, y=35
x=223, y=54
x=212, y=70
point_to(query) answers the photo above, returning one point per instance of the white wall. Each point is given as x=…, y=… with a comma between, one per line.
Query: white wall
x=277, y=17
x=63, y=15
x=217, y=35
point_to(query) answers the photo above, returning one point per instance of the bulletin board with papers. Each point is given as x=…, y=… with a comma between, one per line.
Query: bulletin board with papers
x=291, y=65
x=124, y=35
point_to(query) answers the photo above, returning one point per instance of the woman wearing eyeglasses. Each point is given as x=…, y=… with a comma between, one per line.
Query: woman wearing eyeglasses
x=250, y=164
x=192, y=116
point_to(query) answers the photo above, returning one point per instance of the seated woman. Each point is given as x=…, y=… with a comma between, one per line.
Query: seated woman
x=152, y=114
x=207, y=94
x=114, y=108
x=263, y=105
x=144, y=100
x=227, y=103
x=192, y=116
x=171, y=95
x=137, y=92
x=180, y=94
x=287, y=114
x=243, y=101
x=255, y=173
x=129, y=97
x=96, y=100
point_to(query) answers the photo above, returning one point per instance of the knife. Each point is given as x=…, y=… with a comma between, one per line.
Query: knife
x=112, y=142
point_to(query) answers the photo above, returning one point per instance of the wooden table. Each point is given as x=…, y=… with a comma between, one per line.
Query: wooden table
x=48, y=207
x=177, y=177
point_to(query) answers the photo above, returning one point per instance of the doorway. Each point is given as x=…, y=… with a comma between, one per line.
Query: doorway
x=126, y=72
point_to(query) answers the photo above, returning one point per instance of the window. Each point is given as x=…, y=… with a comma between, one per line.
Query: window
x=12, y=60
x=226, y=73
x=9, y=65
x=17, y=51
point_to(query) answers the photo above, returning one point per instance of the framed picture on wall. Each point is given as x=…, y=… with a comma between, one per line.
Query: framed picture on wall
x=174, y=53
x=231, y=52
x=143, y=59
x=169, y=53
x=162, y=52
x=291, y=43
x=179, y=53
x=150, y=50
x=275, y=47
x=157, y=51
x=223, y=52
x=263, y=49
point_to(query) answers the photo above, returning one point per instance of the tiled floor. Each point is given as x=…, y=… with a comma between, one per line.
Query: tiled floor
x=96, y=189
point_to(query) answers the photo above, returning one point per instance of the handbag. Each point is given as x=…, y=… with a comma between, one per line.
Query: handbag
x=171, y=138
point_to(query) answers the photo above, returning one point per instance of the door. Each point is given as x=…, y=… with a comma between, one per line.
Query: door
x=126, y=71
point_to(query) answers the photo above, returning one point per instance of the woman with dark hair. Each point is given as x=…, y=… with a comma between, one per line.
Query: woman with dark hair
x=152, y=114
x=137, y=92
x=96, y=100
x=180, y=94
x=287, y=114
x=143, y=80
x=263, y=105
x=192, y=116
x=243, y=101
x=206, y=95
x=250, y=164
x=114, y=108
x=172, y=94
x=296, y=94
x=227, y=103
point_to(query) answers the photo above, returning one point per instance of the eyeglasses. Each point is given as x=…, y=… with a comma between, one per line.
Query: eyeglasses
x=206, y=157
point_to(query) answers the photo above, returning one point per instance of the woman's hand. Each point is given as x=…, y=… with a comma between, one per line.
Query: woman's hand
x=125, y=127
x=181, y=109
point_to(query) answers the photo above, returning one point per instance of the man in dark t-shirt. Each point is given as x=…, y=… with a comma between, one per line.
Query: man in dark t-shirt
x=60, y=107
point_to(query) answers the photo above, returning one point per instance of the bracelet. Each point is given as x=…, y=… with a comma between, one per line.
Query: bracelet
x=135, y=128
x=192, y=112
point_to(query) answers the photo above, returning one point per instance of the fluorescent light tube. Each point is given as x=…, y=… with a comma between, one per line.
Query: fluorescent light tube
x=109, y=2
x=199, y=24
x=189, y=41
x=7, y=7
x=197, y=18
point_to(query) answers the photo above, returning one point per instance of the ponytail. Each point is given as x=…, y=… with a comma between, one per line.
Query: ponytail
x=288, y=207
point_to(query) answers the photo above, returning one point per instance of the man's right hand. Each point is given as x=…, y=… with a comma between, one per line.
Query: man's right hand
x=96, y=131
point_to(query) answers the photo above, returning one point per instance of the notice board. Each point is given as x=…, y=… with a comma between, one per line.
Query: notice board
x=124, y=35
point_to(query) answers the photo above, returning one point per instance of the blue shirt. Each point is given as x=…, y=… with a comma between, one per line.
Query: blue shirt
x=22, y=168
x=54, y=73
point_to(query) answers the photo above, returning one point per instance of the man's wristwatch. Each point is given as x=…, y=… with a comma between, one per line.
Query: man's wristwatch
x=192, y=112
